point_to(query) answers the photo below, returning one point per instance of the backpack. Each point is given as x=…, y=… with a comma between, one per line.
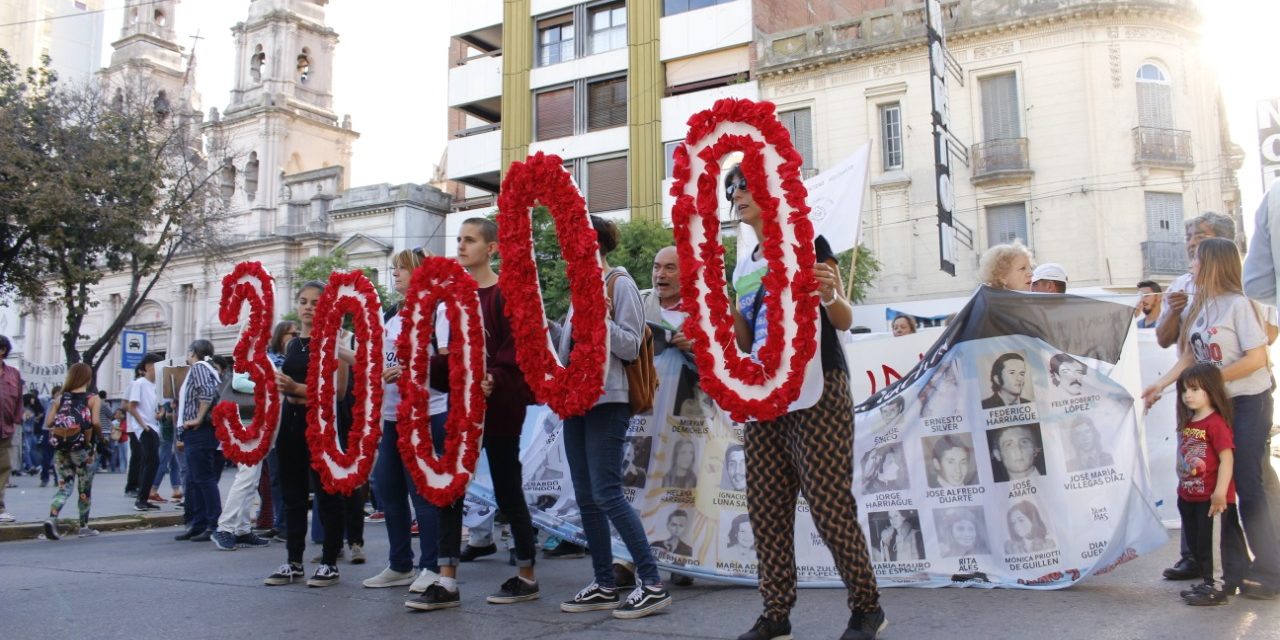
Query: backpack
x=642, y=377
x=71, y=424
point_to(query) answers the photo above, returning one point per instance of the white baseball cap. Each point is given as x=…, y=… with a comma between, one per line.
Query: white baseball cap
x=1049, y=271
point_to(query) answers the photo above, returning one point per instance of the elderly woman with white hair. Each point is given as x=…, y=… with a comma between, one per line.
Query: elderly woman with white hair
x=1006, y=266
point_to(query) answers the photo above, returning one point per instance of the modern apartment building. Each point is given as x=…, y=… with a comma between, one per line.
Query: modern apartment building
x=606, y=85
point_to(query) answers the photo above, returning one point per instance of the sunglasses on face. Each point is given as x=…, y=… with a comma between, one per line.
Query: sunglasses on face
x=420, y=252
x=732, y=187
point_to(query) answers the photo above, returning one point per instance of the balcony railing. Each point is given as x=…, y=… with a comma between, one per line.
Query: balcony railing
x=877, y=29
x=999, y=159
x=1165, y=147
x=1164, y=258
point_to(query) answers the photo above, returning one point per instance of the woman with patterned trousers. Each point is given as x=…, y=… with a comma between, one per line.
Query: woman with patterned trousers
x=809, y=450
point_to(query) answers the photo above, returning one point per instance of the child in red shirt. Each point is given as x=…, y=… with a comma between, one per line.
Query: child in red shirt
x=1205, y=488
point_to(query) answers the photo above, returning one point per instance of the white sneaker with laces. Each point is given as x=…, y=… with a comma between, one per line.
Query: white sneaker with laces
x=389, y=578
x=426, y=578
x=7, y=517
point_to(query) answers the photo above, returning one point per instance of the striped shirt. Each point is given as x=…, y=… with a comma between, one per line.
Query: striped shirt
x=201, y=385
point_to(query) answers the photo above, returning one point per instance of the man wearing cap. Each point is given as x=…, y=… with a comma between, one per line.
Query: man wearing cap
x=141, y=403
x=1049, y=277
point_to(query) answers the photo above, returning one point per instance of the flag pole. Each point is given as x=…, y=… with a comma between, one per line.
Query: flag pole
x=853, y=268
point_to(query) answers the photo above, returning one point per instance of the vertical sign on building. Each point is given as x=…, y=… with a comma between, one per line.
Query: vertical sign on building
x=941, y=134
x=1269, y=140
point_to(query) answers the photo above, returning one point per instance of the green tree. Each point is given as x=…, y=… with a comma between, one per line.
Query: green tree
x=321, y=267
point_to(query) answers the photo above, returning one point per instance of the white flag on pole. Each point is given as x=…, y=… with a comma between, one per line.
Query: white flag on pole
x=835, y=205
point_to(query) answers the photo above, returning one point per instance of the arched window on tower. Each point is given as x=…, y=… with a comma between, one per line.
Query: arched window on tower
x=117, y=101
x=161, y=106
x=1155, y=99
x=228, y=180
x=133, y=16
x=256, y=62
x=160, y=18
x=251, y=176
x=304, y=65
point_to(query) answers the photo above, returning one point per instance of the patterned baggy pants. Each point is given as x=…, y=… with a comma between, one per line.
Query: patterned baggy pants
x=75, y=468
x=808, y=451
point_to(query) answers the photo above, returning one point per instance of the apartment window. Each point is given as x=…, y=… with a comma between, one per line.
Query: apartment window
x=607, y=104
x=669, y=151
x=607, y=184
x=1164, y=217
x=1007, y=223
x=891, y=136
x=553, y=113
x=799, y=123
x=1155, y=100
x=672, y=7
x=1001, y=116
x=555, y=40
x=608, y=27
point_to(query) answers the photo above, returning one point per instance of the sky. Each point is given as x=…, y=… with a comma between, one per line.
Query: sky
x=391, y=74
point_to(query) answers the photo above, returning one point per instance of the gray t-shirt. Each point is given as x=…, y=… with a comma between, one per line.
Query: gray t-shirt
x=1224, y=330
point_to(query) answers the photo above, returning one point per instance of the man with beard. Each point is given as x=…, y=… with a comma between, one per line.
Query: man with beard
x=1008, y=377
x=1067, y=375
x=1148, y=309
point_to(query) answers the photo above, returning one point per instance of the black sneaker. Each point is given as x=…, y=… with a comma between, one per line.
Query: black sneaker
x=642, y=602
x=864, y=625
x=514, y=590
x=766, y=629
x=286, y=574
x=188, y=534
x=1229, y=589
x=1183, y=569
x=435, y=597
x=144, y=506
x=203, y=536
x=565, y=550
x=325, y=575
x=592, y=598
x=470, y=553
x=1205, y=598
x=251, y=541
x=51, y=530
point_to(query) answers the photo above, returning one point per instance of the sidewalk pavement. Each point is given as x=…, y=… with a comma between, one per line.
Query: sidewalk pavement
x=112, y=510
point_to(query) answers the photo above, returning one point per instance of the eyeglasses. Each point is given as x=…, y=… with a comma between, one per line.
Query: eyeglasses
x=730, y=188
x=420, y=252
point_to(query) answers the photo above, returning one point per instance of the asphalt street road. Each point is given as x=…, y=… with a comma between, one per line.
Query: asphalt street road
x=143, y=584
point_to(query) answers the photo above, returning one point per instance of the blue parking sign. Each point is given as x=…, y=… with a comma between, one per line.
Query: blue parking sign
x=133, y=346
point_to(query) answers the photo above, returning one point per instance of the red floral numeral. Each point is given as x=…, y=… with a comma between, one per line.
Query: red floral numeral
x=249, y=284
x=541, y=180
x=762, y=387
x=442, y=479
x=344, y=471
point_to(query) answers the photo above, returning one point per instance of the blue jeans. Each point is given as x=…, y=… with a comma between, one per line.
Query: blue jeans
x=202, y=483
x=593, y=445
x=166, y=460
x=396, y=491
x=30, y=451
x=277, y=494
x=1252, y=430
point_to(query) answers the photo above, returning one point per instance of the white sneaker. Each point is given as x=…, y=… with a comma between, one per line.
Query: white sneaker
x=389, y=578
x=7, y=517
x=426, y=578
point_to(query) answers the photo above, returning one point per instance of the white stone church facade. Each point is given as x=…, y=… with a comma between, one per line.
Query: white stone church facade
x=287, y=186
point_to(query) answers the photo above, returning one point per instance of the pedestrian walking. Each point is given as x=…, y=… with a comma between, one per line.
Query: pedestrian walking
x=74, y=427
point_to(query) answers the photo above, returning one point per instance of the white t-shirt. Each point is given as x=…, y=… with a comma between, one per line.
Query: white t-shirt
x=747, y=281
x=439, y=402
x=1224, y=330
x=142, y=391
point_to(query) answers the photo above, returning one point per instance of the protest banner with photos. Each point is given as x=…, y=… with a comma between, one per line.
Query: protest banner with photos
x=1011, y=456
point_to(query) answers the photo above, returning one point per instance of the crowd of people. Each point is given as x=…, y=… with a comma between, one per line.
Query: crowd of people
x=1224, y=420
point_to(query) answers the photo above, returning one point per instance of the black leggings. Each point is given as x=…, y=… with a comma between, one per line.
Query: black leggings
x=297, y=480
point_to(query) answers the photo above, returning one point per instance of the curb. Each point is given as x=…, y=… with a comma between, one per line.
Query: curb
x=32, y=530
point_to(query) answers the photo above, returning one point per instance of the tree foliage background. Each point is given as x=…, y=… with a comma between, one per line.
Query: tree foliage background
x=94, y=184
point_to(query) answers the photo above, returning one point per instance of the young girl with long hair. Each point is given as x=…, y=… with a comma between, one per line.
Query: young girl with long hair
x=1205, y=465
x=1224, y=329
